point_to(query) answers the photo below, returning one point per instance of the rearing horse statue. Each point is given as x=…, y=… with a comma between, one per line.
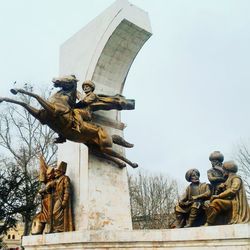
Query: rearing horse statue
x=59, y=112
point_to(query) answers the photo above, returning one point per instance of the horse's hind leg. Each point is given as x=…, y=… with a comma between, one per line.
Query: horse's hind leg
x=108, y=157
x=121, y=141
x=111, y=152
x=34, y=112
x=46, y=105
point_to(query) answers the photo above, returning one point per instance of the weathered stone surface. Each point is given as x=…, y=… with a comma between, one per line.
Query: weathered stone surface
x=229, y=237
x=102, y=51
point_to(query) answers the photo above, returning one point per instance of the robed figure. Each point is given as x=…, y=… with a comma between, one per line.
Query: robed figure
x=190, y=211
x=62, y=210
x=232, y=202
x=56, y=209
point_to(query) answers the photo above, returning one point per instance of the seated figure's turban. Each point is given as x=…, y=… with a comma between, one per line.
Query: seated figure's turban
x=216, y=156
x=230, y=166
x=190, y=172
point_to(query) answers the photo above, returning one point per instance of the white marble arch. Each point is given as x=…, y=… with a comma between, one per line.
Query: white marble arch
x=105, y=48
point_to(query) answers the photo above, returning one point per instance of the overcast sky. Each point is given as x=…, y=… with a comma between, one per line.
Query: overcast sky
x=190, y=80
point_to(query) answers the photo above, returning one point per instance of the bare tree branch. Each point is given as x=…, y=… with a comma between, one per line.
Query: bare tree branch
x=243, y=160
x=22, y=139
x=152, y=200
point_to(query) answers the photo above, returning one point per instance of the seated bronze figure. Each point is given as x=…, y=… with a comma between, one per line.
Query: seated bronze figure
x=232, y=202
x=190, y=211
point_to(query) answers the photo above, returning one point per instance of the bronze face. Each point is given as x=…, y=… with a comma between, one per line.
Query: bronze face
x=87, y=88
x=194, y=177
x=58, y=173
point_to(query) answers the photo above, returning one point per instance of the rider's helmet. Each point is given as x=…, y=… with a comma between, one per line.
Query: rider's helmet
x=89, y=83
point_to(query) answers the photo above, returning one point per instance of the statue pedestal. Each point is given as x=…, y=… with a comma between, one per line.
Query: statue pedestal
x=100, y=190
x=103, y=51
x=230, y=237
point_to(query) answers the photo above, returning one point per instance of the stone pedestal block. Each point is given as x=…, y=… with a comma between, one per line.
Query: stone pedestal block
x=100, y=190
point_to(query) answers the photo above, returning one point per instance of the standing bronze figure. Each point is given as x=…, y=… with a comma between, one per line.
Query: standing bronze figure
x=190, y=211
x=232, y=202
x=43, y=220
x=62, y=114
x=56, y=209
x=62, y=209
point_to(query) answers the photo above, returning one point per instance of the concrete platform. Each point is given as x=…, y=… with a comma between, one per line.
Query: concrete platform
x=230, y=237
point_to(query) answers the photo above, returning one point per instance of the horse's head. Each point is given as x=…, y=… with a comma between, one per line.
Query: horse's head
x=66, y=96
x=65, y=82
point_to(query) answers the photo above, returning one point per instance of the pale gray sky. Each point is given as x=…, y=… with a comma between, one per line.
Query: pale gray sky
x=190, y=80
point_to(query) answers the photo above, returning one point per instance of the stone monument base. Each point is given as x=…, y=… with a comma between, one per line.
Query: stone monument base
x=229, y=237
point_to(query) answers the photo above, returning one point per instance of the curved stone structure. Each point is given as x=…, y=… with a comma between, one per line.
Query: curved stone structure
x=118, y=54
x=104, y=50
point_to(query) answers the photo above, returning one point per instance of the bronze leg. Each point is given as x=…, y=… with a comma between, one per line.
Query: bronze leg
x=111, y=152
x=108, y=157
x=46, y=105
x=34, y=112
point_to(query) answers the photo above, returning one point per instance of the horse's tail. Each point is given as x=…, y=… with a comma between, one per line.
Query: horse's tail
x=120, y=141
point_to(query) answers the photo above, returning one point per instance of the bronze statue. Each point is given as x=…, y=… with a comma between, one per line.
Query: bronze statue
x=43, y=220
x=82, y=110
x=56, y=210
x=216, y=174
x=190, y=211
x=62, y=209
x=232, y=202
x=61, y=113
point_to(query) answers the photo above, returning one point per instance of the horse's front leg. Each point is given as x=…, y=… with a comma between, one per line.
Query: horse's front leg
x=45, y=104
x=33, y=111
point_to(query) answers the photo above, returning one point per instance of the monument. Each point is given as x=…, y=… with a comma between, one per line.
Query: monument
x=98, y=59
x=103, y=51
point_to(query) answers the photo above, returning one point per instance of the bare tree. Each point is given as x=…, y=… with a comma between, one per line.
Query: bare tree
x=24, y=139
x=243, y=160
x=152, y=199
